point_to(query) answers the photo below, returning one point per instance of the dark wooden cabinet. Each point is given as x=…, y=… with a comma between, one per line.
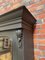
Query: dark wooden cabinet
x=18, y=25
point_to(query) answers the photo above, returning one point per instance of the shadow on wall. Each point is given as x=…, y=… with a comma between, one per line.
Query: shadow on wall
x=33, y=29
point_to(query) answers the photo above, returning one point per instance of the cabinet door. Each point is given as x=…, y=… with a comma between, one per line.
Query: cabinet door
x=16, y=51
x=12, y=35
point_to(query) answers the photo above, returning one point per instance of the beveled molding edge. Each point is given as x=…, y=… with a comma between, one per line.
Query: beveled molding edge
x=10, y=22
x=13, y=24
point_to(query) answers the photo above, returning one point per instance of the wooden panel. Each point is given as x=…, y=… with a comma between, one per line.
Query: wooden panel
x=6, y=56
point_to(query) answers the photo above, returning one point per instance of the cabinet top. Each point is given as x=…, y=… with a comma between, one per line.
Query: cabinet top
x=17, y=13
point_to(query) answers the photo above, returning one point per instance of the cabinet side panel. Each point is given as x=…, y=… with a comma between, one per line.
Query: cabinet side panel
x=28, y=45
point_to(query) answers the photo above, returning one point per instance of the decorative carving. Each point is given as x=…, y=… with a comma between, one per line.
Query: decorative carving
x=19, y=37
